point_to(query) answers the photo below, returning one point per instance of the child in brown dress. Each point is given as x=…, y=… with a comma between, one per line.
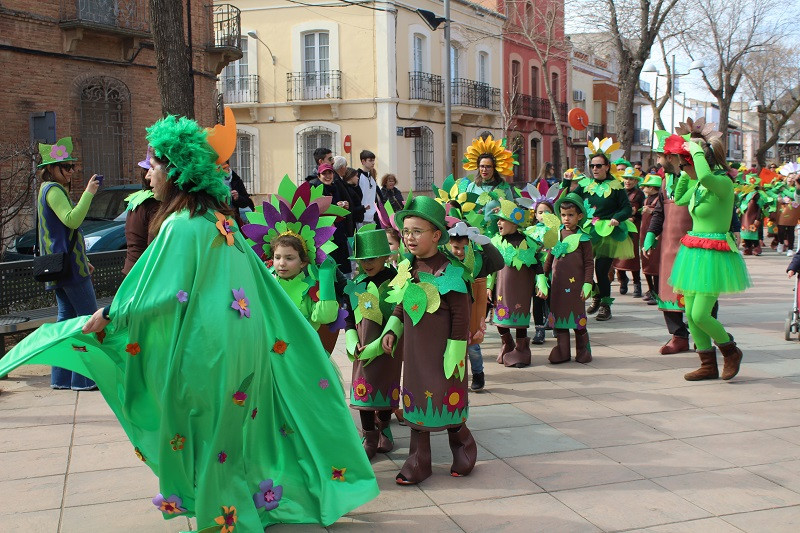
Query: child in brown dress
x=572, y=265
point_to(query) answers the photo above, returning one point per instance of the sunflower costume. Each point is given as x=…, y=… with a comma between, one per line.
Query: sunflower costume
x=223, y=398
x=489, y=192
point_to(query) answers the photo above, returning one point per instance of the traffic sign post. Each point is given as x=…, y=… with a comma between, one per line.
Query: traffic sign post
x=348, y=148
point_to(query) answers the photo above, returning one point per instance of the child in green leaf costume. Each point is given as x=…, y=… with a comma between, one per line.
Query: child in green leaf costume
x=513, y=284
x=376, y=383
x=708, y=262
x=571, y=264
x=432, y=315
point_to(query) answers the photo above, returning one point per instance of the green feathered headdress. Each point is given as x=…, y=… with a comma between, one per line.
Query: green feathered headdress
x=192, y=161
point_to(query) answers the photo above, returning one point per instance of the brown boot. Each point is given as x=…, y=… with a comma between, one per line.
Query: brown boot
x=417, y=467
x=370, y=442
x=465, y=451
x=561, y=352
x=385, y=440
x=733, y=358
x=508, y=345
x=583, y=350
x=675, y=345
x=520, y=356
x=708, y=366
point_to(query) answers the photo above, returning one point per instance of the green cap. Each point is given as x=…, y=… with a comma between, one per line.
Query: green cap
x=631, y=173
x=661, y=137
x=652, y=180
x=622, y=161
x=571, y=198
x=369, y=243
x=427, y=209
x=59, y=152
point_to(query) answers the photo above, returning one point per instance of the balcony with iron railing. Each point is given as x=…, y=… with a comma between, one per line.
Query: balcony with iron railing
x=535, y=107
x=424, y=86
x=239, y=89
x=317, y=85
x=469, y=93
x=226, y=42
x=124, y=17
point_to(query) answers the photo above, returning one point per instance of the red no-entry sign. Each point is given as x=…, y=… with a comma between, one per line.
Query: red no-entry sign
x=347, y=144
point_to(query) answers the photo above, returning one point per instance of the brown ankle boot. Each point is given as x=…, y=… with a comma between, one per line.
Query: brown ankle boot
x=508, y=345
x=465, y=451
x=583, y=350
x=708, y=366
x=675, y=345
x=561, y=352
x=733, y=358
x=417, y=467
x=520, y=356
x=385, y=440
x=370, y=442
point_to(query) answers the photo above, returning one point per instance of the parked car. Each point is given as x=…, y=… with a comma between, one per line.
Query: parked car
x=103, y=228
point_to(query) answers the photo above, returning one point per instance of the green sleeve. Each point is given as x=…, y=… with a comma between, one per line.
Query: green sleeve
x=324, y=312
x=374, y=349
x=683, y=190
x=625, y=210
x=491, y=279
x=71, y=217
x=351, y=343
x=719, y=184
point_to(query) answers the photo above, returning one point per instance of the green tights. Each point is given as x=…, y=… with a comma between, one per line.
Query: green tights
x=702, y=325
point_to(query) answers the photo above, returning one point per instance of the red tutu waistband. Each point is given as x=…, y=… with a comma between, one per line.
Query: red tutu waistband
x=692, y=241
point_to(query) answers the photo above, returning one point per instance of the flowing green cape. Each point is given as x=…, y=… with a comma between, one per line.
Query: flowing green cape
x=221, y=385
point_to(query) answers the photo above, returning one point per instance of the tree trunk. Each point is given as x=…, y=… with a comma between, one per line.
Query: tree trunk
x=554, y=111
x=175, y=82
x=624, y=114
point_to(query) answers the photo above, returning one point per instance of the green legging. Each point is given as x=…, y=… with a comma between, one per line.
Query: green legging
x=702, y=325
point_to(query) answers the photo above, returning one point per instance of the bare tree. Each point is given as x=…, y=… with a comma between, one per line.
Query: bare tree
x=541, y=25
x=16, y=188
x=173, y=58
x=723, y=33
x=772, y=76
x=657, y=103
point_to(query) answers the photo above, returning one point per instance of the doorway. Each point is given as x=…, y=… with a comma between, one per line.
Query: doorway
x=534, y=158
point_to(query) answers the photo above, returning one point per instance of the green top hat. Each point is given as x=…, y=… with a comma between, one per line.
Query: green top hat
x=652, y=180
x=428, y=209
x=369, y=243
x=622, y=161
x=661, y=137
x=573, y=199
x=59, y=152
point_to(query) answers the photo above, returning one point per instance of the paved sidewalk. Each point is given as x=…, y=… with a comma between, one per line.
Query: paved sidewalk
x=621, y=444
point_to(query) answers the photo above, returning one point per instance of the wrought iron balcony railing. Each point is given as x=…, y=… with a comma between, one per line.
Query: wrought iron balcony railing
x=124, y=16
x=536, y=107
x=318, y=85
x=239, y=89
x=424, y=86
x=471, y=93
x=227, y=26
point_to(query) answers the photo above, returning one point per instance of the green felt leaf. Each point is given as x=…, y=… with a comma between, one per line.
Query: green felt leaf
x=395, y=295
x=246, y=383
x=218, y=241
x=426, y=277
x=451, y=280
x=527, y=256
x=386, y=307
x=415, y=302
x=631, y=226
x=286, y=188
x=603, y=228
x=432, y=297
x=369, y=307
x=572, y=242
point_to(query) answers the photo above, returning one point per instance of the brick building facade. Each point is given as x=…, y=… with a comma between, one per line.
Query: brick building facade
x=87, y=67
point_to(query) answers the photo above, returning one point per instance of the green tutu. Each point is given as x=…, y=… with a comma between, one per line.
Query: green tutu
x=708, y=271
x=610, y=247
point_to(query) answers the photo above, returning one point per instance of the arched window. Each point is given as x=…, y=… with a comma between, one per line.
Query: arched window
x=308, y=140
x=423, y=160
x=243, y=160
x=106, y=143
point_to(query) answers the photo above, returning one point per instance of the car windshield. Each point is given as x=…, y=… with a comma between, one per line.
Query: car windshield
x=108, y=204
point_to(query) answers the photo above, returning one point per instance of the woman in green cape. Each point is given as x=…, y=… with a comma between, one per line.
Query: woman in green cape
x=216, y=378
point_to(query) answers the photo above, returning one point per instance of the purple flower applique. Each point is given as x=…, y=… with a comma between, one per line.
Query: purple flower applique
x=182, y=296
x=323, y=384
x=268, y=495
x=171, y=505
x=241, y=303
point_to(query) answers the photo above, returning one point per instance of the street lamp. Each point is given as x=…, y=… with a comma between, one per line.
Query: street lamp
x=433, y=23
x=253, y=35
x=697, y=64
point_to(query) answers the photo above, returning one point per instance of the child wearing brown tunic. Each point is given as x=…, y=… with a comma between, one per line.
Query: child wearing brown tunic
x=432, y=296
x=572, y=266
x=651, y=187
x=375, y=388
